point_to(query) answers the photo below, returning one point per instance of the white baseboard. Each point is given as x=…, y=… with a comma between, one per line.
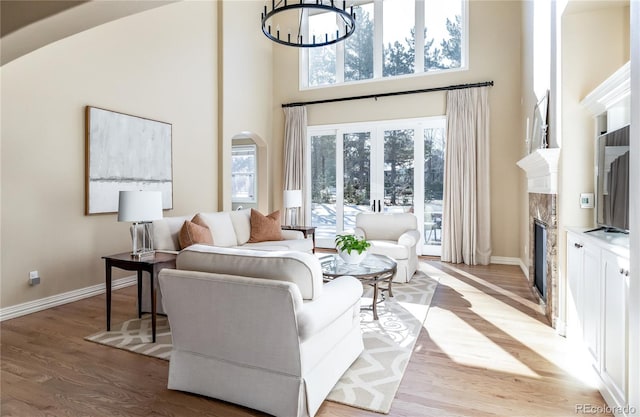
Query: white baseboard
x=504, y=260
x=64, y=298
x=524, y=268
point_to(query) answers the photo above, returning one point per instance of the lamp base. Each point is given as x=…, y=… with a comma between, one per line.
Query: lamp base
x=143, y=255
x=142, y=233
x=292, y=216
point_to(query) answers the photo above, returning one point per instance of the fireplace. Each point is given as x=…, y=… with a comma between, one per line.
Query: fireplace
x=543, y=251
x=540, y=259
x=541, y=167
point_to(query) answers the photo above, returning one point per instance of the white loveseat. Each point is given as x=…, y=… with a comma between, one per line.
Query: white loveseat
x=259, y=329
x=395, y=235
x=230, y=229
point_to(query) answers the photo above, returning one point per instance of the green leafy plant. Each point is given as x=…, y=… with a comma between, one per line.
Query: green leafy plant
x=348, y=243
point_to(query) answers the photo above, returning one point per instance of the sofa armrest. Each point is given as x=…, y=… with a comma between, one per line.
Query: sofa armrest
x=292, y=235
x=338, y=296
x=409, y=238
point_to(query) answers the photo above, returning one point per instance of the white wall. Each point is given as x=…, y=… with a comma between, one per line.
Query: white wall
x=494, y=55
x=594, y=44
x=246, y=85
x=160, y=64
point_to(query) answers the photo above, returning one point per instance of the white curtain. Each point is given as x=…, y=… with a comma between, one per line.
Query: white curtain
x=295, y=139
x=466, y=221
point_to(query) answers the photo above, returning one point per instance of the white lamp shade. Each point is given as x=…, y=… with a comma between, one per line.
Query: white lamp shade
x=139, y=206
x=292, y=198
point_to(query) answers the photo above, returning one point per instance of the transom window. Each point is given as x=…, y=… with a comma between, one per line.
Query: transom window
x=385, y=44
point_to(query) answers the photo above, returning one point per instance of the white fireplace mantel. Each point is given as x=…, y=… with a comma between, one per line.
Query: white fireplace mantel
x=541, y=167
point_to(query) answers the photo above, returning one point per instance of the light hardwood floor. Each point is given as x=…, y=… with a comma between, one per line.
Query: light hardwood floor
x=486, y=350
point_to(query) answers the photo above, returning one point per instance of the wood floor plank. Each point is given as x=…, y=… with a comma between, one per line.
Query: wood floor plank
x=486, y=350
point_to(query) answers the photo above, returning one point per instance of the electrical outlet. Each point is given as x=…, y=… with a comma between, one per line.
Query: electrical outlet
x=34, y=278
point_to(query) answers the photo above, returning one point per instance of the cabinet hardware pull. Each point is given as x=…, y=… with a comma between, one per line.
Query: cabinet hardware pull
x=626, y=273
x=577, y=245
x=622, y=270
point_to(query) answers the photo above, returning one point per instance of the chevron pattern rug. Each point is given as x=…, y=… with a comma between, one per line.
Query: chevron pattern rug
x=371, y=382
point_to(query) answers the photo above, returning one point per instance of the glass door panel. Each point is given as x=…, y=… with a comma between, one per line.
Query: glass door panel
x=390, y=167
x=399, y=163
x=434, y=144
x=323, y=187
x=356, y=176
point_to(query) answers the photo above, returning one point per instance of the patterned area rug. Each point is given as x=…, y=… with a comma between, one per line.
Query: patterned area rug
x=371, y=382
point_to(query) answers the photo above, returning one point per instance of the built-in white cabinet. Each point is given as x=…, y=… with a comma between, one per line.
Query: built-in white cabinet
x=597, y=293
x=592, y=307
x=615, y=276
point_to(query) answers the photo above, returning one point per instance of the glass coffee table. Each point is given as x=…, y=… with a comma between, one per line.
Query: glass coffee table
x=373, y=270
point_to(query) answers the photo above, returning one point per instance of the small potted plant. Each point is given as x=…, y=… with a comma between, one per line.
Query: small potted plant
x=351, y=248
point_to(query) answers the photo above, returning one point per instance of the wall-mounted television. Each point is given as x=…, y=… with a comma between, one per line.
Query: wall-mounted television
x=612, y=180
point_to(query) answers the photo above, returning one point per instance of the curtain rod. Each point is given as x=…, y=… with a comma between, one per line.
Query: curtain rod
x=397, y=93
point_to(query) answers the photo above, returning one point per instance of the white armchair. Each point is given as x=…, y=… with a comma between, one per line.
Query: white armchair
x=395, y=235
x=259, y=329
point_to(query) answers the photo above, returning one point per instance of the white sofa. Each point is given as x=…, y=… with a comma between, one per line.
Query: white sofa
x=230, y=229
x=259, y=329
x=395, y=235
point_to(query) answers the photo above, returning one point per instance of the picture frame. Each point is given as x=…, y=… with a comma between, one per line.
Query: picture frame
x=123, y=153
x=540, y=126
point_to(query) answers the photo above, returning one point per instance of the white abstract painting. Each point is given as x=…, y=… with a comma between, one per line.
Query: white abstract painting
x=126, y=153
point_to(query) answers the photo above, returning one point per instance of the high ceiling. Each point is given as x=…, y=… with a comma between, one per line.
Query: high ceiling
x=16, y=14
x=26, y=25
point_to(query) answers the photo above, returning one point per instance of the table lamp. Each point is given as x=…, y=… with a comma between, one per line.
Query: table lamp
x=140, y=208
x=292, y=201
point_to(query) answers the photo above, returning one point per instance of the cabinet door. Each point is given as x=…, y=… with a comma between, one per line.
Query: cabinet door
x=575, y=278
x=592, y=301
x=614, y=358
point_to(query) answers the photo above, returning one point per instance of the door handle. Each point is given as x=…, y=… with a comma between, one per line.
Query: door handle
x=379, y=207
x=373, y=206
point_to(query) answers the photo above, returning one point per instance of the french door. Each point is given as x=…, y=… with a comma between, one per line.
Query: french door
x=394, y=166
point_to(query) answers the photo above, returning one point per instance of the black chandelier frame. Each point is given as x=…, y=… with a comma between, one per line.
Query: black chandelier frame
x=348, y=16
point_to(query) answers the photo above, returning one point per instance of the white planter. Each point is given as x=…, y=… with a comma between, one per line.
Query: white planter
x=354, y=258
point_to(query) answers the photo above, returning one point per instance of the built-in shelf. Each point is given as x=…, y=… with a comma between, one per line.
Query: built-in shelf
x=541, y=167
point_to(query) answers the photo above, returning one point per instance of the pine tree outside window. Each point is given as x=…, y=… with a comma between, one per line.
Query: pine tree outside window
x=385, y=44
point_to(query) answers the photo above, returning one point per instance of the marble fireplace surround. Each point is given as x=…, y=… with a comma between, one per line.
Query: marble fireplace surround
x=541, y=167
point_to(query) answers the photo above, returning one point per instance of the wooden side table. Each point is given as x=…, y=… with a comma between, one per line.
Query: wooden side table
x=152, y=265
x=306, y=231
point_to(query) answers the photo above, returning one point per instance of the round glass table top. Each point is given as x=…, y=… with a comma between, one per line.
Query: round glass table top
x=373, y=265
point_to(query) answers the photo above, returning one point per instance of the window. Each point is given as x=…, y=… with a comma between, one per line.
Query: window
x=385, y=43
x=391, y=166
x=243, y=174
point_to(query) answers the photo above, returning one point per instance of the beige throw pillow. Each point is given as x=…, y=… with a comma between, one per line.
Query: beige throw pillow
x=193, y=232
x=265, y=228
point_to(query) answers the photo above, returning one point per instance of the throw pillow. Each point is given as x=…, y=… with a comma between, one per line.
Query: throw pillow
x=265, y=228
x=192, y=233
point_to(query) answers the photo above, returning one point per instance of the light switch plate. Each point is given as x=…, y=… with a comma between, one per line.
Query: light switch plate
x=586, y=200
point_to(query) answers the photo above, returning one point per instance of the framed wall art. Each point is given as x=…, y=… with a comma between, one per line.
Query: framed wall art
x=124, y=153
x=540, y=128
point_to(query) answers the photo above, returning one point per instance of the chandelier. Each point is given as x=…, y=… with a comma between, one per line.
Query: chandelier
x=282, y=7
